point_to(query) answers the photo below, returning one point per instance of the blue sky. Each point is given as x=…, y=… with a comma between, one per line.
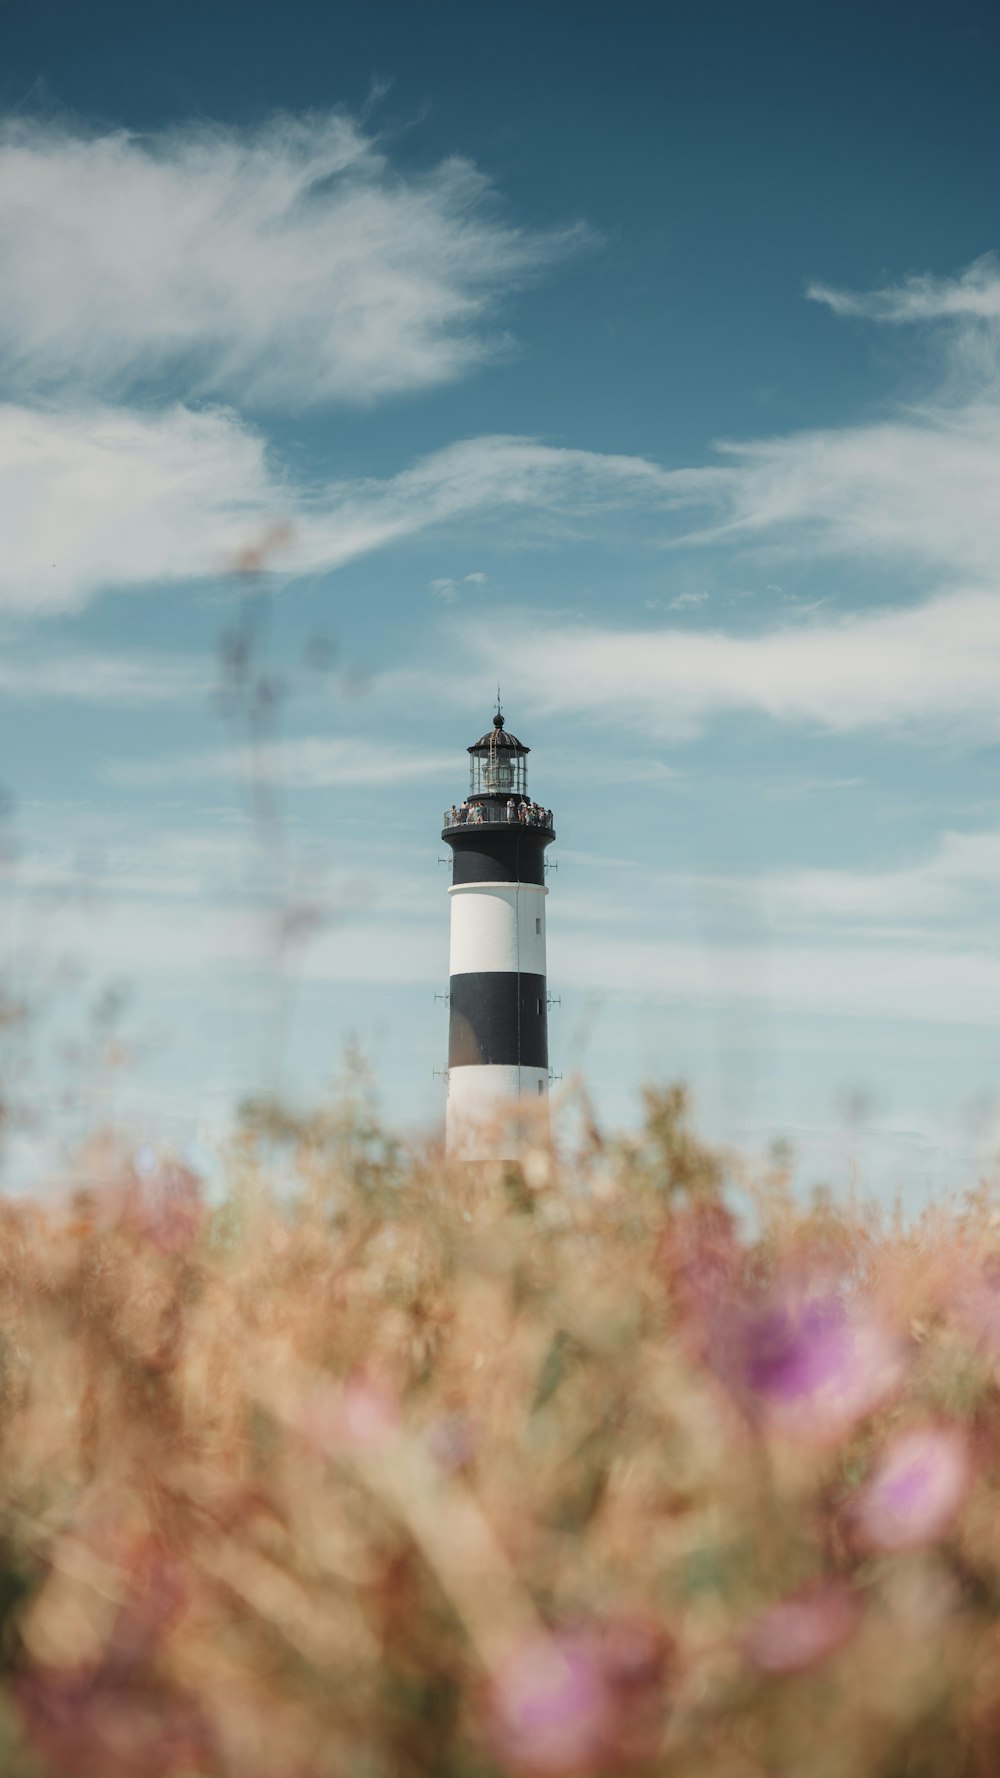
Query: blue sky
x=645, y=358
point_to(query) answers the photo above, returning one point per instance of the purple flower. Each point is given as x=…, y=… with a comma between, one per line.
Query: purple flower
x=810, y=1363
x=804, y=1629
x=587, y=1701
x=916, y=1490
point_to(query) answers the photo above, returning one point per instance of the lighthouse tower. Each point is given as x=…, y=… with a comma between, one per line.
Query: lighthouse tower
x=498, y=1051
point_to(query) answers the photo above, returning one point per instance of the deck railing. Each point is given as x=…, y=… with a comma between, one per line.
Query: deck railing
x=498, y=816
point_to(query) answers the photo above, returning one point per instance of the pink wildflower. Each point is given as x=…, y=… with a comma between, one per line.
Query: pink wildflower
x=916, y=1490
x=361, y=1415
x=551, y=1709
x=804, y=1629
x=587, y=1702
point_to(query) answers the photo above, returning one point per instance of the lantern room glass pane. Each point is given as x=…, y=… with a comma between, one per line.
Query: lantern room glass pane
x=501, y=772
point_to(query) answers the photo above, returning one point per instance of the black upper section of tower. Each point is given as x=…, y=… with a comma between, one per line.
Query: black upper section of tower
x=498, y=836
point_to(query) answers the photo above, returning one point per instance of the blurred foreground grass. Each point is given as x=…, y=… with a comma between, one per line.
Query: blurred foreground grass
x=400, y=1470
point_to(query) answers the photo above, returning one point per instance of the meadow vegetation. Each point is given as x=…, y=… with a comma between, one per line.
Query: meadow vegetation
x=614, y=1462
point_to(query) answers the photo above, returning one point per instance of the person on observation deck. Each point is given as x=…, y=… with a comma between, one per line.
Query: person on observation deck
x=511, y=809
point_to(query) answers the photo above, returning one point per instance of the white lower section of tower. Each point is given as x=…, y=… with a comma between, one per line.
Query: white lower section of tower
x=498, y=926
x=494, y=1111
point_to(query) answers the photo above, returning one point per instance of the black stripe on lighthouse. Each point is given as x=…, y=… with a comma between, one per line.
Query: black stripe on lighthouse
x=500, y=854
x=498, y=1017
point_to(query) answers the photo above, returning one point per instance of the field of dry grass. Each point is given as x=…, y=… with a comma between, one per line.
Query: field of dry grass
x=377, y=1470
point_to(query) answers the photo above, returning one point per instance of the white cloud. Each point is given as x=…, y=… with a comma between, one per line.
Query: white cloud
x=472, y=478
x=611, y=769
x=78, y=851
x=104, y=498
x=952, y=888
x=915, y=491
x=943, y=896
x=139, y=937
x=308, y=762
x=108, y=498
x=86, y=676
x=937, y=662
x=957, y=882
x=973, y=296
x=686, y=601
x=95, y=497
x=447, y=589
x=288, y=264
x=866, y=981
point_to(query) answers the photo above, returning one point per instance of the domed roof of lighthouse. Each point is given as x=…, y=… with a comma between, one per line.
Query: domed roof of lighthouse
x=498, y=738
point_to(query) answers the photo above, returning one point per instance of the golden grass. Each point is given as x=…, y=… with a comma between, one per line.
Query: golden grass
x=415, y=1471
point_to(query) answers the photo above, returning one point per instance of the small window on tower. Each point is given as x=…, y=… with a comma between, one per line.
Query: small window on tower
x=538, y=924
x=540, y=1089
x=538, y=1008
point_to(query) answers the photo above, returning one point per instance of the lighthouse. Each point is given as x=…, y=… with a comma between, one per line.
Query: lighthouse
x=498, y=1050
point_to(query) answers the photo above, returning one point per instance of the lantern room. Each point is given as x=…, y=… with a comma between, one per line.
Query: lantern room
x=498, y=763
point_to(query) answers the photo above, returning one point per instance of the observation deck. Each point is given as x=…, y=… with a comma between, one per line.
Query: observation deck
x=494, y=817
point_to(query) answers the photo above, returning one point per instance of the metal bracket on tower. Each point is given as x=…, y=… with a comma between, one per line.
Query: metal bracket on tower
x=551, y=864
x=440, y=1073
x=553, y=1077
x=445, y=997
x=554, y=999
x=443, y=860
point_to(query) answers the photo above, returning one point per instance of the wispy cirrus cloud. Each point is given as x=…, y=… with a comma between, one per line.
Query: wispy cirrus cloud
x=94, y=498
x=91, y=676
x=972, y=296
x=99, y=498
x=933, y=663
x=917, y=490
x=946, y=889
x=287, y=265
x=952, y=884
x=304, y=762
x=472, y=479
x=869, y=981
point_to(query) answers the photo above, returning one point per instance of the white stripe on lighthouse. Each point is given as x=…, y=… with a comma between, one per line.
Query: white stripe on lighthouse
x=489, y=1109
x=498, y=926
